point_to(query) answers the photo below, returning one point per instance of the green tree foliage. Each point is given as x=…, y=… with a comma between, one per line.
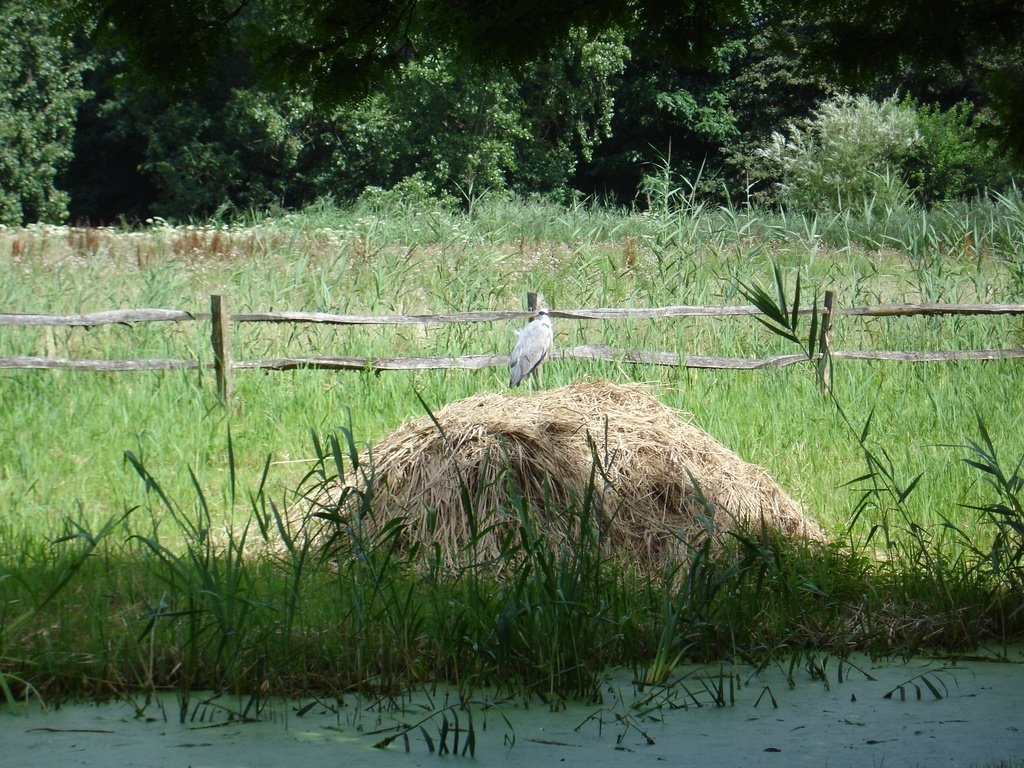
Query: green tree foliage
x=702, y=123
x=863, y=41
x=953, y=158
x=40, y=90
x=681, y=116
x=769, y=87
x=186, y=155
x=469, y=128
x=335, y=49
x=211, y=104
x=457, y=126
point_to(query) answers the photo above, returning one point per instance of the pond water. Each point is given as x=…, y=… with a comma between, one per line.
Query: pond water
x=819, y=711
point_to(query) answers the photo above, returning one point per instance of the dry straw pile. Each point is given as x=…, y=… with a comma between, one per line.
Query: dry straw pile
x=543, y=448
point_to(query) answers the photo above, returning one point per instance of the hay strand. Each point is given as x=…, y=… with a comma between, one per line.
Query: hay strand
x=658, y=481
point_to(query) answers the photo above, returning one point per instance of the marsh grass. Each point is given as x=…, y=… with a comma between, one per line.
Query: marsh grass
x=255, y=610
x=145, y=541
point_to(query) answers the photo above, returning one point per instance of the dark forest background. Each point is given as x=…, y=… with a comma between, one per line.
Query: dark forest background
x=119, y=111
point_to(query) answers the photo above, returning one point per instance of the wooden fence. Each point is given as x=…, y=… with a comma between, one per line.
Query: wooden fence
x=224, y=363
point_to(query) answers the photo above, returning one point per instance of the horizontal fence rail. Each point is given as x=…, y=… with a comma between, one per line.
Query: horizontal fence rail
x=129, y=316
x=906, y=310
x=116, y=316
x=476, y=362
x=78, y=364
x=224, y=364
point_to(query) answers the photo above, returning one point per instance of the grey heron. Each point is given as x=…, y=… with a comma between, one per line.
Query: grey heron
x=533, y=344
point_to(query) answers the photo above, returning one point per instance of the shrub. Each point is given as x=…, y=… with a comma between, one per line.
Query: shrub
x=411, y=193
x=849, y=152
x=952, y=159
x=854, y=151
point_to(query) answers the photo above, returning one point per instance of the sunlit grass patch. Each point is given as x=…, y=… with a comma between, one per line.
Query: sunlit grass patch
x=188, y=591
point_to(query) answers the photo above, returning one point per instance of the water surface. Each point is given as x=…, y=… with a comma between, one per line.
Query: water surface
x=819, y=712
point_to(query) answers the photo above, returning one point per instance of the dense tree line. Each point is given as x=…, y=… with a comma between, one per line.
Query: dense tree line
x=40, y=91
x=111, y=108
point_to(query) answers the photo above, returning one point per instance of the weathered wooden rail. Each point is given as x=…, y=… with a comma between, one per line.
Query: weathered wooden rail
x=129, y=316
x=224, y=364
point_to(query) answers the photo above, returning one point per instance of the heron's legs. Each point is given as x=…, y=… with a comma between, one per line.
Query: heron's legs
x=538, y=374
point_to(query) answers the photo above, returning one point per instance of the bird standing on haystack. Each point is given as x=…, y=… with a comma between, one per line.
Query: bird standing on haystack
x=533, y=344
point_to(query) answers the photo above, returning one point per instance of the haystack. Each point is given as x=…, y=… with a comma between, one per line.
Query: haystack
x=658, y=481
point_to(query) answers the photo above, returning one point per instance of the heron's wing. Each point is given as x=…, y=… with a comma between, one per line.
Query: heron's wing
x=530, y=350
x=520, y=365
x=521, y=361
x=516, y=375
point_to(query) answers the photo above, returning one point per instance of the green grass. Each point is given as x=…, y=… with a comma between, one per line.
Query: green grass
x=155, y=603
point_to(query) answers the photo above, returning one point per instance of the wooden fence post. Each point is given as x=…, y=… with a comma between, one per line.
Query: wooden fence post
x=220, y=337
x=825, y=341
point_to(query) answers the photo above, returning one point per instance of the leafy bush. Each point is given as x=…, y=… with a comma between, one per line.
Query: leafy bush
x=953, y=158
x=411, y=193
x=854, y=151
x=849, y=152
